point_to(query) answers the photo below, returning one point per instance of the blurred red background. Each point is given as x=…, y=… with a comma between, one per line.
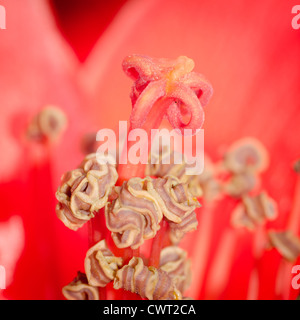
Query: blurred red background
x=69, y=53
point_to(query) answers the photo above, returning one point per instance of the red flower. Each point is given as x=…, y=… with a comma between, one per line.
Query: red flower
x=248, y=51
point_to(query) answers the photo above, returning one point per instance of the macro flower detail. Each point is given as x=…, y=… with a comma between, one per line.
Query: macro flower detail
x=141, y=204
x=174, y=198
x=47, y=125
x=246, y=154
x=135, y=208
x=135, y=214
x=84, y=191
x=164, y=88
x=254, y=210
x=79, y=289
x=163, y=164
x=297, y=166
x=101, y=265
x=206, y=184
x=178, y=230
x=173, y=260
x=256, y=85
x=286, y=243
x=241, y=184
x=184, y=91
x=244, y=160
x=148, y=282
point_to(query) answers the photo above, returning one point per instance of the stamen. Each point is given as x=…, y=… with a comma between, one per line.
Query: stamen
x=294, y=218
x=247, y=153
x=297, y=166
x=79, y=289
x=140, y=208
x=286, y=243
x=157, y=245
x=219, y=271
x=135, y=215
x=253, y=211
x=284, y=272
x=47, y=125
x=174, y=261
x=148, y=282
x=84, y=191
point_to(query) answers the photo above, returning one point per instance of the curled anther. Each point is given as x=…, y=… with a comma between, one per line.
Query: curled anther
x=101, y=265
x=174, y=198
x=204, y=185
x=84, y=191
x=240, y=184
x=287, y=244
x=178, y=230
x=135, y=215
x=79, y=289
x=244, y=160
x=254, y=210
x=164, y=164
x=178, y=206
x=136, y=212
x=148, y=282
x=47, y=125
x=297, y=166
x=174, y=261
x=247, y=154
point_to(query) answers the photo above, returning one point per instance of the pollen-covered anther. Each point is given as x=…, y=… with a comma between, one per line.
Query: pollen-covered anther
x=174, y=198
x=135, y=215
x=101, y=265
x=174, y=261
x=286, y=243
x=210, y=186
x=84, y=191
x=47, y=125
x=297, y=166
x=204, y=185
x=177, y=205
x=246, y=154
x=244, y=160
x=179, y=230
x=148, y=282
x=254, y=210
x=79, y=289
x=89, y=143
x=241, y=184
x=164, y=164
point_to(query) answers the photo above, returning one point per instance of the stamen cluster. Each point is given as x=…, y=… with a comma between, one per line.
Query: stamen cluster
x=136, y=206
